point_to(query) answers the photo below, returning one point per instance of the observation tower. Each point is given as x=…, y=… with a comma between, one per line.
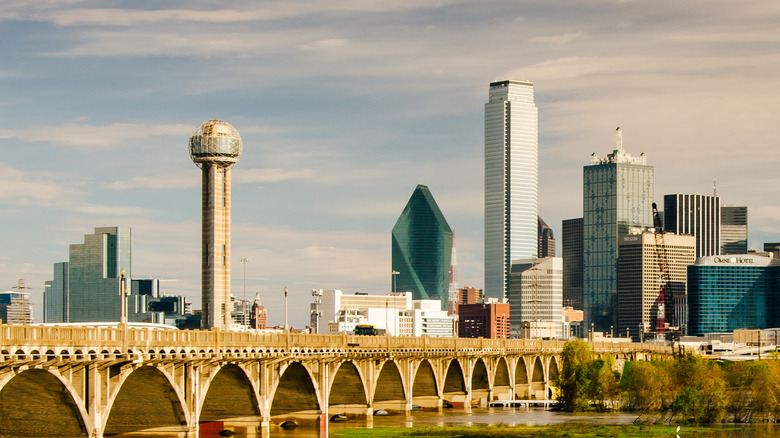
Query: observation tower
x=215, y=147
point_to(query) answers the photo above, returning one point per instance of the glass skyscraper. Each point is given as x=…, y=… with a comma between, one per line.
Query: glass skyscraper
x=511, y=181
x=617, y=196
x=731, y=292
x=422, y=249
x=86, y=288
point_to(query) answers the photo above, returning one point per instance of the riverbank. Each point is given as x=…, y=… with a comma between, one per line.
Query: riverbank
x=563, y=430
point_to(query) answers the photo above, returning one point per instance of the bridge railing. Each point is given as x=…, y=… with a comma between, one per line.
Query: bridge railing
x=215, y=341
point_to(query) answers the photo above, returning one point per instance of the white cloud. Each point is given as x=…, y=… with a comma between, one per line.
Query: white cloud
x=561, y=39
x=93, y=136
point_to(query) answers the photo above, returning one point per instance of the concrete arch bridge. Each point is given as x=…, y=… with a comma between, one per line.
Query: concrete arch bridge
x=104, y=381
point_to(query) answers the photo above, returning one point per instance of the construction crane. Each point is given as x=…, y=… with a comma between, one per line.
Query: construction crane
x=663, y=272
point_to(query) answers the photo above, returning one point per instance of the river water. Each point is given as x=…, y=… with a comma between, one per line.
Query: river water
x=476, y=417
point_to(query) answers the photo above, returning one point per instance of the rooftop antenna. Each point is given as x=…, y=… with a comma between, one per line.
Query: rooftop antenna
x=619, y=138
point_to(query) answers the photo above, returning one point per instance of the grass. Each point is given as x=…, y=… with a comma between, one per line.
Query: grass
x=557, y=431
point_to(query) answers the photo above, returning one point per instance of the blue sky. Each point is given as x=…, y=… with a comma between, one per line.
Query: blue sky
x=344, y=107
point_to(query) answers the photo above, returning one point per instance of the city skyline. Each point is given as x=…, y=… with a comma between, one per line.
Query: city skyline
x=342, y=107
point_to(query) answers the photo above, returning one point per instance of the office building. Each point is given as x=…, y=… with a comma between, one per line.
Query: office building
x=484, y=320
x=640, y=281
x=422, y=249
x=87, y=287
x=215, y=146
x=546, y=245
x=536, y=297
x=730, y=292
x=733, y=229
x=339, y=312
x=696, y=215
x=572, y=263
x=396, y=314
x=617, y=196
x=15, y=307
x=56, y=295
x=469, y=295
x=772, y=248
x=511, y=181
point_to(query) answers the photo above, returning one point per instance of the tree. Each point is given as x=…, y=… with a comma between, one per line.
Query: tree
x=645, y=386
x=573, y=378
x=700, y=390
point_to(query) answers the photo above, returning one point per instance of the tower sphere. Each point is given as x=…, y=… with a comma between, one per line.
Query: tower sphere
x=215, y=142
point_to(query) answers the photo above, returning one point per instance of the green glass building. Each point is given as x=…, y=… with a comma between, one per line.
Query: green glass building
x=86, y=288
x=617, y=195
x=422, y=249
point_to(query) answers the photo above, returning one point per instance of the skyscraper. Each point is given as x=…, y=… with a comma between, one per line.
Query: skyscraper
x=617, y=195
x=215, y=147
x=572, y=263
x=511, y=181
x=86, y=288
x=733, y=229
x=697, y=215
x=546, y=239
x=639, y=285
x=536, y=297
x=422, y=249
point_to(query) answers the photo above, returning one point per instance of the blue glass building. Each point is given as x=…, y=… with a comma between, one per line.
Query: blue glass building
x=732, y=292
x=617, y=195
x=422, y=249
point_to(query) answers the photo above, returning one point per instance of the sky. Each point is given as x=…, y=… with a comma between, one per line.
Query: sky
x=344, y=107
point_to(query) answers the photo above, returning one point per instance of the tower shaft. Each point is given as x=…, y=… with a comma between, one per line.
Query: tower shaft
x=215, y=263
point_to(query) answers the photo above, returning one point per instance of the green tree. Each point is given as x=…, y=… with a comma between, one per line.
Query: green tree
x=602, y=382
x=573, y=378
x=646, y=386
x=700, y=390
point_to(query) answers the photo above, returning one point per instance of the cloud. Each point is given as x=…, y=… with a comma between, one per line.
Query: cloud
x=324, y=44
x=561, y=39
x=244, y=176
x=163, y=180
x=93, y=136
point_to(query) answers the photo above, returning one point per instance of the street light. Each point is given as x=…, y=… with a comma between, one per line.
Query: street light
x=285, y=309
x=123, y=309
x=243, y=307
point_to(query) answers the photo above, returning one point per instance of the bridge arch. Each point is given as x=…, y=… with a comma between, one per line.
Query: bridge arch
x=295, y=391
x=230, y=394
x=37, y=403
x=502, y=383
x=145, y=399
x=480, y=380
x=424, y=387
x=538, y=379
x=454, y=387
x=522, y=382
x=389, y=392
x=348, y=390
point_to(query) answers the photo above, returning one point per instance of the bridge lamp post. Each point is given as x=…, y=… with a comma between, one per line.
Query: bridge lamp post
x=285, y=309
x=394, y=279
x=123, y=309
x=243, y=307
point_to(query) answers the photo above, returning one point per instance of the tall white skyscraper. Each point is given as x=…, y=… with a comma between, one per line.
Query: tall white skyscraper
x=511, y=180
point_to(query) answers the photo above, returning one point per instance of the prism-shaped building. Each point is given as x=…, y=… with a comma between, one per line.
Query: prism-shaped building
x=422, y=249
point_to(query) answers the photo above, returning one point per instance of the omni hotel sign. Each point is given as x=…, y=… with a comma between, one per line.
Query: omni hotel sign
x=733, y=260
x=737, y=260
